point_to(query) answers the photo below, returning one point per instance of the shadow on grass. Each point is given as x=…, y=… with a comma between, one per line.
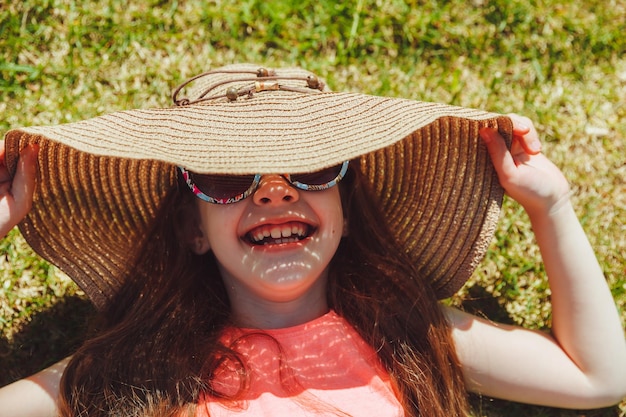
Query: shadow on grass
x=489, y=407
x=482, y=303
x=50, y=336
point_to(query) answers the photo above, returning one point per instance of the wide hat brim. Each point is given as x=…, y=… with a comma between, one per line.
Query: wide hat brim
x=101, y=180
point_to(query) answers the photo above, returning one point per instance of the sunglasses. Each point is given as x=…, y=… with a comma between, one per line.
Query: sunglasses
x=227, y=189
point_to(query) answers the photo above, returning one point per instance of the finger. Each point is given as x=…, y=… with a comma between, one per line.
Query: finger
x=517, y=148
x=521, y=125
x=524, y=129
x=500, y=156
x=4, y=172
x=23, y=185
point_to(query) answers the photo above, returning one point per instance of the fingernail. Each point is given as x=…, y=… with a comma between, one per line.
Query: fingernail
x=535, y=146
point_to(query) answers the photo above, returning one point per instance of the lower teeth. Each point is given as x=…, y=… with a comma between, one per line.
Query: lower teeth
x=279, y=241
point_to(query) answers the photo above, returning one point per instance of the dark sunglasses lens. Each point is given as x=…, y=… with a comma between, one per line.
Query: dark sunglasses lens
x=223, y=186
x=319, y=177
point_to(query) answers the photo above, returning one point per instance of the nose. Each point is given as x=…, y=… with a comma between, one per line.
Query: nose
x=274, y=189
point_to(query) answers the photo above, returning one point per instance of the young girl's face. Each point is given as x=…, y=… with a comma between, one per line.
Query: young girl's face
x=275, y=245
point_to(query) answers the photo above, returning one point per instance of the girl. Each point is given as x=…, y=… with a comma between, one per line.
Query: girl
x=309, y=285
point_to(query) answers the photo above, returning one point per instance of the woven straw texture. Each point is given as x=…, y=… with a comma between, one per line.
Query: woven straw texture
x=101, y=180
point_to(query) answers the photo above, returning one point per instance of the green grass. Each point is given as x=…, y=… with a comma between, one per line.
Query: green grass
x=560, y=63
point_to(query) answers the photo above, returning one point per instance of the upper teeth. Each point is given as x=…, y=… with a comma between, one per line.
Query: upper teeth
x=284, y=231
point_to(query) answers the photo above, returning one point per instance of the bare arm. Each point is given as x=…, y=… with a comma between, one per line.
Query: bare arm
x=582, y=362
x=35, y=396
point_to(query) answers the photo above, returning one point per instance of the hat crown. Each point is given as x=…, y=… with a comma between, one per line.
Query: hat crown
x=245, y=80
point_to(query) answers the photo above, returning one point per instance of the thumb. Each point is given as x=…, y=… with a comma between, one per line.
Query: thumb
x=500, y=155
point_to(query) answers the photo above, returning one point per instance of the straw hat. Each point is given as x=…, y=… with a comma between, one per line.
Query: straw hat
x=101, y=180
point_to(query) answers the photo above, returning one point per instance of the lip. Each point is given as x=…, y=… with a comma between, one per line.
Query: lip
x=279, y=233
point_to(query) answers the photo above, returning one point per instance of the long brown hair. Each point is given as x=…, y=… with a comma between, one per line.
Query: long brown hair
x=158, y=342
x=377, y=289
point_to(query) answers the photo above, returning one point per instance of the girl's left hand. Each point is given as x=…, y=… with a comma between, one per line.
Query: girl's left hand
x=524, y=172
x=16, y=194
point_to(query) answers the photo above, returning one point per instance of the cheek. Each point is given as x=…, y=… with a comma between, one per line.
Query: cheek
x=330, y=212
x=336, y=210
x=338, y=224
x=217, y=223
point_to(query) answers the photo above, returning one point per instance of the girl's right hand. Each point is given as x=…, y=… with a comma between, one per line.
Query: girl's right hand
x=524, y=172
x=16, y=194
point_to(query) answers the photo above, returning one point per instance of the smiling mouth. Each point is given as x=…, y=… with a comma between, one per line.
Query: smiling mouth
x=276, y=234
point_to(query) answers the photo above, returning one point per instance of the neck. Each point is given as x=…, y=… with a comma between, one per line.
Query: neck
x=250, y=310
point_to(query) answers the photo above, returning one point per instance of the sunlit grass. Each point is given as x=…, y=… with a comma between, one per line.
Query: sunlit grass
x=560, y=63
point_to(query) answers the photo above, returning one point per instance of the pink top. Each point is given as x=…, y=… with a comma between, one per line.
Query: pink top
x=325, y=369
